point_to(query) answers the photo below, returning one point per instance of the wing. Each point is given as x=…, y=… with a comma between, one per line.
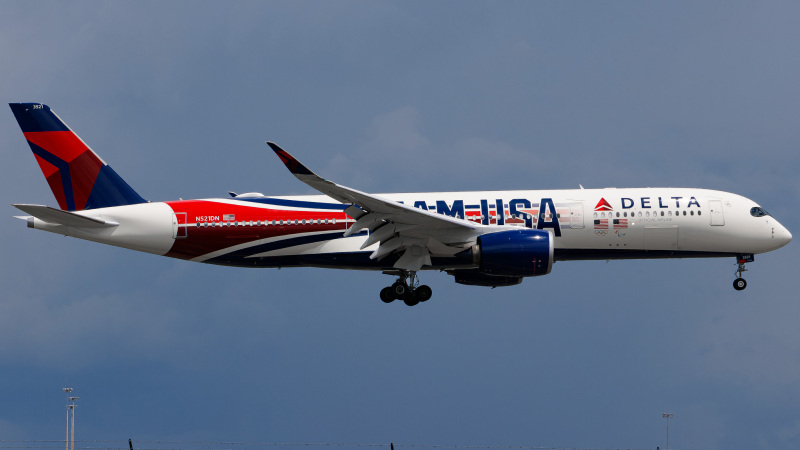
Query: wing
x=66, y=218
x=397, y=228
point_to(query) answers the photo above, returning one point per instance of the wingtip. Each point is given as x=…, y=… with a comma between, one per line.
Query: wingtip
x=291, y=163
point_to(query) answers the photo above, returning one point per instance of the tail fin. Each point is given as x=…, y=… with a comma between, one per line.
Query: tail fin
x=78, y=177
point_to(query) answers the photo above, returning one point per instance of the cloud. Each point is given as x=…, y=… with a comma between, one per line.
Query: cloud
x=754, y=345
x=77, y=330
x=395, y=154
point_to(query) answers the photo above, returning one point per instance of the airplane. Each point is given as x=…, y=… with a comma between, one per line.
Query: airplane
x=483, y=238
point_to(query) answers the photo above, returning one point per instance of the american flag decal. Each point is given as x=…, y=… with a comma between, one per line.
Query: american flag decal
x=620, y=224
x=228, y=217
x=600, y=224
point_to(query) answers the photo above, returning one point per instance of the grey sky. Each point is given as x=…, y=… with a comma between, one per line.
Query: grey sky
x=179, y=98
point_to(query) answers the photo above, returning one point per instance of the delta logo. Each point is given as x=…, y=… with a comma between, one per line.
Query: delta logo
x=603, y=205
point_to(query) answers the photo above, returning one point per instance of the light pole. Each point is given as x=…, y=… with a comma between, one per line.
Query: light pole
x=664, y=415
x=66, y=440
x=72, y=407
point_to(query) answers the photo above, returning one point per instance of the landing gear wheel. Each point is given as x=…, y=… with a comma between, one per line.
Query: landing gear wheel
x=386, y=295
x=412, y=300
x=423, y=293
x=400, y=290
x=406, y=288
x=739, y=284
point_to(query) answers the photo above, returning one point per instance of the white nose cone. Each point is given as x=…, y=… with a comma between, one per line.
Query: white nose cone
x=781, y=235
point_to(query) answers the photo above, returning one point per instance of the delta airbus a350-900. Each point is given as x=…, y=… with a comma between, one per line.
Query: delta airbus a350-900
x=485, y=238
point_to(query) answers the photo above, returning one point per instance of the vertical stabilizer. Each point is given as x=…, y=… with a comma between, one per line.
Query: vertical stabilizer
x=78, y=177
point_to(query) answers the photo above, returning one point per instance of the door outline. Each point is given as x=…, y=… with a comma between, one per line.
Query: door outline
x=716, y=212
x=179, y=227
x=576, y=215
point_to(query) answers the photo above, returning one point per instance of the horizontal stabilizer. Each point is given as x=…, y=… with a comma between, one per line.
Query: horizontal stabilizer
x=66, y=218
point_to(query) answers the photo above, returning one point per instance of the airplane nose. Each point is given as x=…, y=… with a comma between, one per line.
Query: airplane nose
x=781, y=235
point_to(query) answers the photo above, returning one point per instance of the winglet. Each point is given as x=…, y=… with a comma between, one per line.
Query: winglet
x=294, y=166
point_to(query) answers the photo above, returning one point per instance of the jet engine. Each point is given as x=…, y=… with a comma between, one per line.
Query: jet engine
x=515, y=253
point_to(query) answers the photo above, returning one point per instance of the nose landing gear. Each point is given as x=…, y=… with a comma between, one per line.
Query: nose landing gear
x=739, y=283
x=407, y=289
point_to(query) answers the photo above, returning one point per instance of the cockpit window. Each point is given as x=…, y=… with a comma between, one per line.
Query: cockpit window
x=758, y=212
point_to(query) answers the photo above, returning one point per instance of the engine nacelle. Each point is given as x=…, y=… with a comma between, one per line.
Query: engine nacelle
x=515, y=253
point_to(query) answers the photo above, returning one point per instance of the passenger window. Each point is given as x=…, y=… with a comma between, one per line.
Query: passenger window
x=684, y=212
x=698, y=212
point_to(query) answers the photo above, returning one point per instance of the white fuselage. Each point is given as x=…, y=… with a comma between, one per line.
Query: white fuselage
x=307, y=230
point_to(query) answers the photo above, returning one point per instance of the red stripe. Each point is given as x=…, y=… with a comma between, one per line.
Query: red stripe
x=63, y=144
x=203, y=240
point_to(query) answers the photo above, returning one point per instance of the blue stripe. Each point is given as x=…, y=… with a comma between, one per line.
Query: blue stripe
x=63, y=169
x=296, y=203
x=284, y=243
x=355, y=260
x=351, y=260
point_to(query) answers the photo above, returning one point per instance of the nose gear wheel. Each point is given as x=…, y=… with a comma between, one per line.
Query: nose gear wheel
x=739, y=283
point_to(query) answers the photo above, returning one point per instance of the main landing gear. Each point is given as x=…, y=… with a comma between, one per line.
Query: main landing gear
x=739, y=283
x=407, y=289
